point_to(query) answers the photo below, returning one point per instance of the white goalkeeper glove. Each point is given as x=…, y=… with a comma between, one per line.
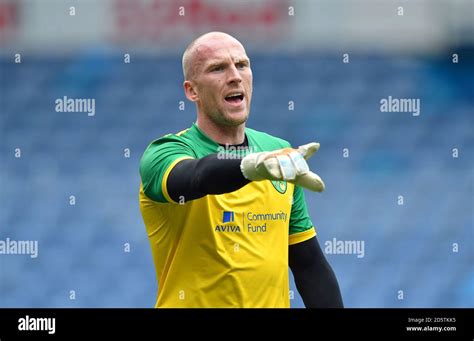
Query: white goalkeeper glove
x=286, y=164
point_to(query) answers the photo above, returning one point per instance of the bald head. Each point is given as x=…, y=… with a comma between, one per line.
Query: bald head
x=195, y=54
x=218, y=78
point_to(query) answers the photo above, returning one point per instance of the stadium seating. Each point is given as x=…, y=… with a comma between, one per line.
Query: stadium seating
x=408, y=247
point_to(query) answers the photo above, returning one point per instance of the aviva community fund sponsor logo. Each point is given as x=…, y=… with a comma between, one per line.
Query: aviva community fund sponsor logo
x=253, y=222
x=227, y=217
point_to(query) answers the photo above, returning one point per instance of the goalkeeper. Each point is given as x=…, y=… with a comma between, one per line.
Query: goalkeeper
x=223, y=204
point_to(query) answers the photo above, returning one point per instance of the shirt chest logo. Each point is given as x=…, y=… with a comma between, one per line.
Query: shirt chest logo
x=279, y=185
x=253, y=222
x=227, y=217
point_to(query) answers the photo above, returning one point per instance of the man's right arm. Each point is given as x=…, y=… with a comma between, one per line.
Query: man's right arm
x=171, y=173
x=195, y=178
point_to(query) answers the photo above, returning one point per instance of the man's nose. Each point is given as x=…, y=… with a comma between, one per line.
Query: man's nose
x=234, y=75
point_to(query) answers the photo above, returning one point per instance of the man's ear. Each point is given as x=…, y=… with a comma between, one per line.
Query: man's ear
x=190, y=91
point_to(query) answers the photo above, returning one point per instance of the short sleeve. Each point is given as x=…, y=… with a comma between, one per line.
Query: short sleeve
x=301, y=226
x=156, y=164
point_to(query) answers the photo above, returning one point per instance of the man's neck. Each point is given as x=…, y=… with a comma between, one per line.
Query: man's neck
x=222, y=134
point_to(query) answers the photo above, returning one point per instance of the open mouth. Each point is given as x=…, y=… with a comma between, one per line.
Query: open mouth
x=234, y=98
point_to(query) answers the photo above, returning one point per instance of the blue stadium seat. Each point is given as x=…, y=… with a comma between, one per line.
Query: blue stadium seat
x=391, y=154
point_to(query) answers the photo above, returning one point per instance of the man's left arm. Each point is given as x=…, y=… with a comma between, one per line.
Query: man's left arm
x=314, y=277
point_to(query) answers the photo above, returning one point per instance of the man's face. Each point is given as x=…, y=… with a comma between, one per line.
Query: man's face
x=222, y=80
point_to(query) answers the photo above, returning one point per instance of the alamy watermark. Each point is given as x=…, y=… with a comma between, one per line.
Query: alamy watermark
x=66, y=104
x=28, y=323
x=411, y=105
x=19, y=247
x=231, y=152
x=345, y=247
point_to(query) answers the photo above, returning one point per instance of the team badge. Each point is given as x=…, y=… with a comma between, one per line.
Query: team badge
x=279, y=185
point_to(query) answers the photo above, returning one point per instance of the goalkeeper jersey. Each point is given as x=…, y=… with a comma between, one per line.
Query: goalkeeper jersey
x=226, y=250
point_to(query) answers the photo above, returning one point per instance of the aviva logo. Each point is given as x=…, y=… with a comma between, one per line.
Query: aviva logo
x=228, y=217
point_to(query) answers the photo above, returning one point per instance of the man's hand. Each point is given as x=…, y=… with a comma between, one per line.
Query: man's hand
x=286, y=164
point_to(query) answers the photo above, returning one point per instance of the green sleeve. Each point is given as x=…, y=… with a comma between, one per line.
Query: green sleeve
x=299, y=219
x=156, y=160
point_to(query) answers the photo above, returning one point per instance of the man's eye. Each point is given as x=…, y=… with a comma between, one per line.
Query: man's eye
x=240, y=65
x=217, y=68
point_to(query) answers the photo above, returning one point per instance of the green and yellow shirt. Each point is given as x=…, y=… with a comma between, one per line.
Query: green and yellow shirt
x=227, y=250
